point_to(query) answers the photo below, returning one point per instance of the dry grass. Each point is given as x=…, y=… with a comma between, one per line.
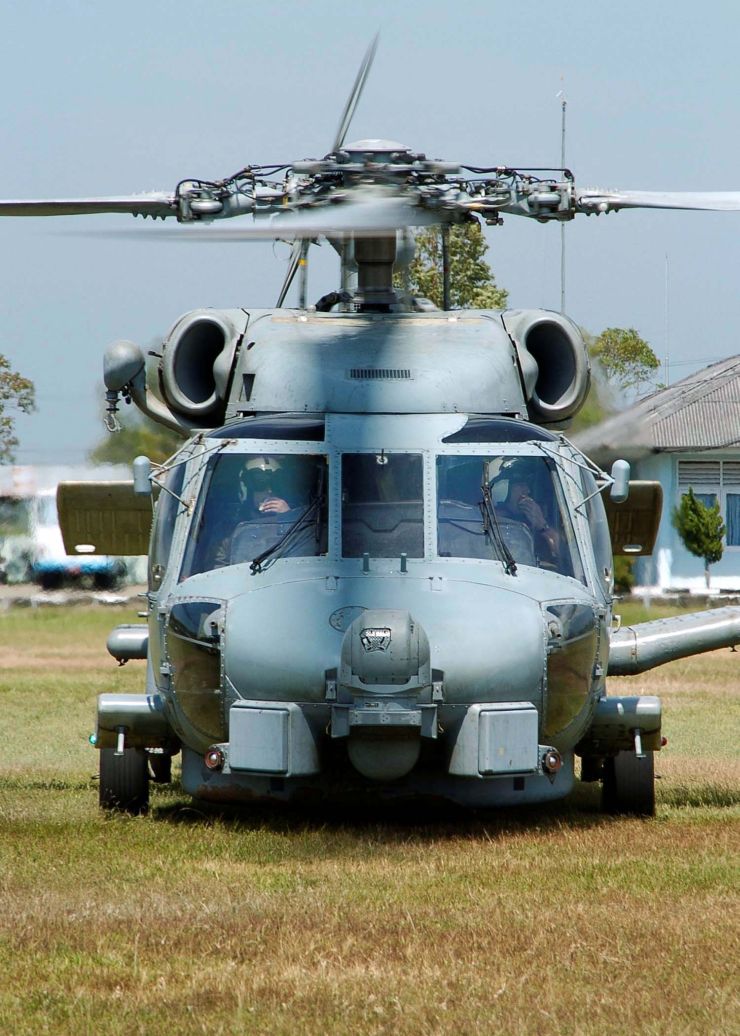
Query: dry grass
x=229, y=922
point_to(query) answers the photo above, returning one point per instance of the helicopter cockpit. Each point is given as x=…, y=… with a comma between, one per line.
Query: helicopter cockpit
x=458, y=499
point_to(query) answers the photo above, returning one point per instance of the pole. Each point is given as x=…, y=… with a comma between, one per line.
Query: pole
x=667, y=322
x=563, y=109
x=445, y=266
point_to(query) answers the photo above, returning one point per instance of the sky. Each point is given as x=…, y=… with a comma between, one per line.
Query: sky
x=103, y=98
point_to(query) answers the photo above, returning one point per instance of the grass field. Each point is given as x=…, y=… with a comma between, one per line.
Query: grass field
x=563, y=921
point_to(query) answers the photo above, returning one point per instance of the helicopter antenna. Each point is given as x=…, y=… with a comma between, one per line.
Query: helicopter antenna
x=563, y=109
x=355, y=94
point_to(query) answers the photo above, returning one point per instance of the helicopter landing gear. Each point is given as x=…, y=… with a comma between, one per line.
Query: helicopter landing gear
x=160, y=768
x=124, y=780
x=629, y=785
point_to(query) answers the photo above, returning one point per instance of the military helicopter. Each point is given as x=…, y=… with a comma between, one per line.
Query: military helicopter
x=376, y=564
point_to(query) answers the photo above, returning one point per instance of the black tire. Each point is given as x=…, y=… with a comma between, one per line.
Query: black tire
x=160, y=768
x=124, y=781
x=629, y=785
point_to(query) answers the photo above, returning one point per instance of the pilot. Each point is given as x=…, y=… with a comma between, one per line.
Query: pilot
x=520, y=505
x=260, y=479
x=260, y=499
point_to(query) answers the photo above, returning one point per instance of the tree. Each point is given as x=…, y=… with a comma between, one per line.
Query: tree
x=472, y=283
x=16, y=394
x=701, y=529
x=138, y=435
x=623, y=362
x=625, y=358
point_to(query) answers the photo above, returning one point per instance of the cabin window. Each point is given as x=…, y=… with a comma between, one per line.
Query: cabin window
x=507, y=509
x=254, y=506
x=382, y=505
x=298, y=427
x=499, y=429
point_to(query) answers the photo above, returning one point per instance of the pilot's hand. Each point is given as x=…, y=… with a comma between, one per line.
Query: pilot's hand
x=533, y=513
x=274, y=505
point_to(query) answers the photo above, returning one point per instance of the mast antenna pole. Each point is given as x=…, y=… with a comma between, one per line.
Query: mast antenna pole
x=563, y=110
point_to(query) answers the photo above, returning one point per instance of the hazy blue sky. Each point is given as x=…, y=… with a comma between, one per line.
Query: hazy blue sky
x=102, y=98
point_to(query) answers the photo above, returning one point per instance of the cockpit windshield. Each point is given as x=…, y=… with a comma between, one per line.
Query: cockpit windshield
x=505, y=508
x=382, y=505
x=254, y=506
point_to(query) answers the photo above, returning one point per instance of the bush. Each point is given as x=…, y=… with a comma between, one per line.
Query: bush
x=624, y=575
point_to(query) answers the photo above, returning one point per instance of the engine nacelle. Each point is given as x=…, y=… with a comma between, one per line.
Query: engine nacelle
x=197, y=362
x=554, y=363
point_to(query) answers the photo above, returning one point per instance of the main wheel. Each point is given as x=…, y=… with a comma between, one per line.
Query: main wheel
x=629, y=785
x=124, y=780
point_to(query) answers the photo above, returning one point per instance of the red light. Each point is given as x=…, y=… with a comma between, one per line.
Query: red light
x=552, y=761
x=663, y=742
x=214, y=759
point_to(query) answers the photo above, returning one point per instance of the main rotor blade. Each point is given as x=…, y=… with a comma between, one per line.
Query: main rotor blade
x=154, y=204
x=355, y=94
x=370, y=218
x=591, y=199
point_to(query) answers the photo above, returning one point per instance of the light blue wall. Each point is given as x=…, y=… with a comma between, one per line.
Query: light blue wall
x=671, y=565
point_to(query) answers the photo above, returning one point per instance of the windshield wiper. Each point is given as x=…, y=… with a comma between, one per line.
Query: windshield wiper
x=492, y=529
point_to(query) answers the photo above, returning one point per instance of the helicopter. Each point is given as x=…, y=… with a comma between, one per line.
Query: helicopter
x=377, y=565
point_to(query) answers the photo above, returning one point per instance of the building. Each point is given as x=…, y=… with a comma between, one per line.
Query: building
x=684, y=435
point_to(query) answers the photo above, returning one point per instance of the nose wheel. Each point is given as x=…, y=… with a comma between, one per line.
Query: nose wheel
x=628, y=786
x=124, y=780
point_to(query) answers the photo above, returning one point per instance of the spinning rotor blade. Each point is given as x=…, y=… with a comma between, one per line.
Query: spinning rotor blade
x=355, y=94
x=154, y=204
x=369, y=217
x=591, y=199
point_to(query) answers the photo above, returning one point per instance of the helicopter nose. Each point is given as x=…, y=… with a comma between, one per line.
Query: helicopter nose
x=384, y=672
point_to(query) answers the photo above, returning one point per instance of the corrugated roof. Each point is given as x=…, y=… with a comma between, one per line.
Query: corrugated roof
x=701, y=412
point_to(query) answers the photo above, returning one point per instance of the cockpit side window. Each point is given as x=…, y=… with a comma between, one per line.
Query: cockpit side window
x=492, y=507
x=599, y=527
x=382, y=505
x=253, y=503
x=164, y=525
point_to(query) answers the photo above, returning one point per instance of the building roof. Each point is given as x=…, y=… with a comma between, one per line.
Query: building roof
x=700, y=412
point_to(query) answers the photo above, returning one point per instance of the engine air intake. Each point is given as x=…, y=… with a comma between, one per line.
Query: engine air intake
x=554, y=363
x=199, y=346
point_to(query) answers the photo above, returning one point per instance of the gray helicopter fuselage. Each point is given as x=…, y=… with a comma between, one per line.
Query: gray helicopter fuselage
x=369, y=566
x=391, y=644
x=493, y=637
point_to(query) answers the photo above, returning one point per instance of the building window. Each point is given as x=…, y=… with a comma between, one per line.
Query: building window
x=715, y=481
x=732, y=519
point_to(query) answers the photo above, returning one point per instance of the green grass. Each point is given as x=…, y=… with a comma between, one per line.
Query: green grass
x=256, y=921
